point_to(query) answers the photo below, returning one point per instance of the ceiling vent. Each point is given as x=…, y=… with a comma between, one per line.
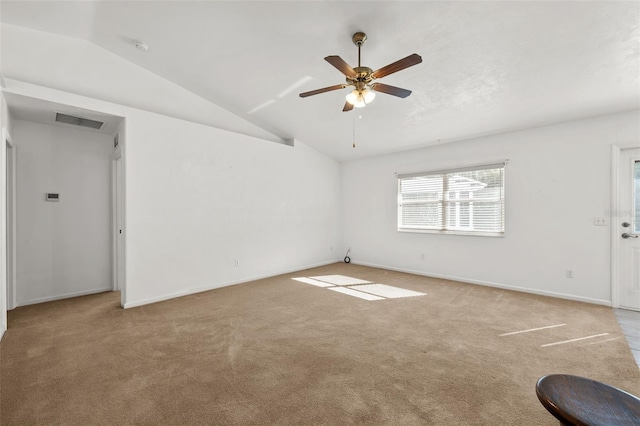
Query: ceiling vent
x=78, y=121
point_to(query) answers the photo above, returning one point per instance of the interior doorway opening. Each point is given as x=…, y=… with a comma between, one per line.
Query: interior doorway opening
x=55, y=173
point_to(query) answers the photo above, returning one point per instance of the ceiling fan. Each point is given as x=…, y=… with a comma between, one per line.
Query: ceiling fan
x=362, y=78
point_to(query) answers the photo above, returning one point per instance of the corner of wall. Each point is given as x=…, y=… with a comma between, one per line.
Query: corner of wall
x=4, y=118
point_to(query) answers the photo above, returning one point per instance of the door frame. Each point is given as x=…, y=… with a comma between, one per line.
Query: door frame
x=7, y=254
x=118, y=220
x=10, y=211
x=616, y=150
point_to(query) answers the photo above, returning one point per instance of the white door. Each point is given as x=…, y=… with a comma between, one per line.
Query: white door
x=627, y=223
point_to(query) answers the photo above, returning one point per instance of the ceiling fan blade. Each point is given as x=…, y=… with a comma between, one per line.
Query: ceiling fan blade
x=391, y=90
x=341, y=65
x=347, y=107
x=403, y=63
x=323, y=90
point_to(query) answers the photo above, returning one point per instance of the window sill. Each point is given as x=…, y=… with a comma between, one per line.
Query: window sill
x=453, y=232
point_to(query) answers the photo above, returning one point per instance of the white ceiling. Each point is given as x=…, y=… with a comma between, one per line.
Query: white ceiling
x=488, y=67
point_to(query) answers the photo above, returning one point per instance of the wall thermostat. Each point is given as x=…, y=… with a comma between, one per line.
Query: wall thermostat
x=53, y=197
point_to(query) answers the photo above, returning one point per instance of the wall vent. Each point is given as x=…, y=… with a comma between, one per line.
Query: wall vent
x=78, y=121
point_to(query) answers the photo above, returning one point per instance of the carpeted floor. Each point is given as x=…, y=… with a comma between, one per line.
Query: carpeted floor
x=280, y=351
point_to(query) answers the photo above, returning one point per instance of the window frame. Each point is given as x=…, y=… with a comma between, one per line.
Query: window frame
x=443, y=202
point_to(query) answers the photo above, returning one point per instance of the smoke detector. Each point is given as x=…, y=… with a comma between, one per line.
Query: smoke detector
x=141, y=45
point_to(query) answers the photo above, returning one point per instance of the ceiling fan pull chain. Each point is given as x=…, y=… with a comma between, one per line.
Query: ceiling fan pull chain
x=354, y=130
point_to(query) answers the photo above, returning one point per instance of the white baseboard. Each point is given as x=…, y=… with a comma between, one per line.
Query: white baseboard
x=491, y=284
x=63, y=296
x=143, y=302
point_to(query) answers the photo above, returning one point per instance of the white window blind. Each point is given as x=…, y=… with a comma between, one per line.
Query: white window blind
x=463, y=200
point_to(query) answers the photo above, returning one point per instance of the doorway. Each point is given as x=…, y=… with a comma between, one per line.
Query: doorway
x=625, y=223
x=27, y=115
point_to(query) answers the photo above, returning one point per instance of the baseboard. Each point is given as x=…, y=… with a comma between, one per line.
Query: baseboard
x=63, y=296
x=491, y=284
x=134, y=304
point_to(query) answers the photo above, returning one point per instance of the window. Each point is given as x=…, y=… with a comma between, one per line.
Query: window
x=466, y=200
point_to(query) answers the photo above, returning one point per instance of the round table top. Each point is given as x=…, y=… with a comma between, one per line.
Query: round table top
x=579, y=401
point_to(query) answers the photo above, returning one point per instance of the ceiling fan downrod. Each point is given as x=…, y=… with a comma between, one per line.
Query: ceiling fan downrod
x=358, y=39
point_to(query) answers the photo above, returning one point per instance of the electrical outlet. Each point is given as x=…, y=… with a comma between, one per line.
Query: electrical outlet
x=568, y=273
x=237, y=262
x=422, y=256
x=600, y=221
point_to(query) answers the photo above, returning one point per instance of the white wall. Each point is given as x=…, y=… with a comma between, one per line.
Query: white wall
x=5, y=128
x=198, y=198
x=557, y=180
x=63, y=248
x=3, y=199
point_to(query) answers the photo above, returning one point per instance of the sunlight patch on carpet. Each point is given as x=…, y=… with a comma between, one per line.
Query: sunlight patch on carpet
x=356, y=287
x=602, y=341
x=574, y=340
x=313, y=282
x=340, y=280
x=387, y=291
x=355, y=293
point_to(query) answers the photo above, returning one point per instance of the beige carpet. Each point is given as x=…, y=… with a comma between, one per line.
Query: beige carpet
x=279, y=351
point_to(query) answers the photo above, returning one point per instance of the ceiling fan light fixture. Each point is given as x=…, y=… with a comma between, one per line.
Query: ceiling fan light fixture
x=360, y=101
x=356, y=98
x=352, y=97
x=360, y=98
x=369, y=95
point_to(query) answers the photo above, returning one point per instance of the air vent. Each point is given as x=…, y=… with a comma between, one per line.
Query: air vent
x=78, y=121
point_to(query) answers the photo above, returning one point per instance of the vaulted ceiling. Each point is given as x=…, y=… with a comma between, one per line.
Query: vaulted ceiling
x=488, y=67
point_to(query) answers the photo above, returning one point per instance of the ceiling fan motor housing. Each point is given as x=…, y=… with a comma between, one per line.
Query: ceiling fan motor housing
x=363, y=74
x=359, y=38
